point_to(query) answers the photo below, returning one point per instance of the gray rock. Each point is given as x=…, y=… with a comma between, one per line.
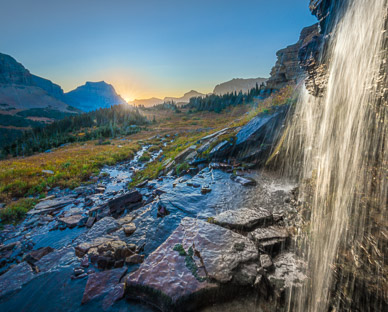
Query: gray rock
x=51, y=205
x=101, y=228
x=15, y=278
x=72, y=221
x=243, y=219
x=129, y=228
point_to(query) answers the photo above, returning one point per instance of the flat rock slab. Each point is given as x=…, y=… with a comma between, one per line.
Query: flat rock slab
x=51, y=205
x=244, y=218
x=192, y=266
x=15, y=278
x=272, y=239
x=101, y=283
x=72, y=221
x=101, y=228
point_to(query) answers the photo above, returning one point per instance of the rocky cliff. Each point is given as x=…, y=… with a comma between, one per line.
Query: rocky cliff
x=94, y=95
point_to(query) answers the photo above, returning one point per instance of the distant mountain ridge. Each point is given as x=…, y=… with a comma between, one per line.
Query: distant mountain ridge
x=238, y=84
x=94, y=95
x=27, y=100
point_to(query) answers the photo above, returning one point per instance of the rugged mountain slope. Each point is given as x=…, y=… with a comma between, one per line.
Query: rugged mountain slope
x=185, y=98
x=147, y=102
x=94, y=95
x=238, y=84
x=27, y=100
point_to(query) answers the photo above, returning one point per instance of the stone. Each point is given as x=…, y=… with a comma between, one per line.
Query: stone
x=134, y=259
x=197, y=263
x=244, y=181
x=272, y=239
x=102, y=227
x=243, y=219
x=15, y=278
x=129, y=228
x=72, y=221
x=142, y=184
x=48, y=171
x=221, y=150
x=115, y=294
x=47, y=198
x=85, y=261
x=266, y=262
x=90, y=221
x=51, y=205
x=35, y=255
x=162, y=210
x=205, y=190
x=126, y=201
x=101, y=283
x=182, y=155
x=78, y=271
x=126, y=219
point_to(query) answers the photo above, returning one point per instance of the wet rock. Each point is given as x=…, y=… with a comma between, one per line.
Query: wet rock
x=243, y=219
x=244, y=181
x=15, y=278
x=85, y=261
x=106, y=252
x=55, y=259
x=134, y=259
x=51, y=205
x=272, y=239
x=182, y=155
x=100, y=189
x=255, y=139
x=158, y=192
x=266, y=262
x=197, y=261
x=205, y=190
x=90, y=222
x=221, y=150
x=162, y=210
x=72, y=221
x=129, y=228
x=101, y=283
x=47, y=198
x=78, y=271
x=102, y=227
x=36, y=255
x=126, y=201
x=115, y=294
x=142, y=184
x=220, y=166
x=126, y=219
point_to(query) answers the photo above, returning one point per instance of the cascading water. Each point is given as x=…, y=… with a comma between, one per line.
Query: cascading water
x=340, y=139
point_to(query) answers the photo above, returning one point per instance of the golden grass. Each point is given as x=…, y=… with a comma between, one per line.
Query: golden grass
x=71, y=165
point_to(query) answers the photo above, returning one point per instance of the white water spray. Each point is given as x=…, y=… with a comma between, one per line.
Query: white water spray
x=342, y=138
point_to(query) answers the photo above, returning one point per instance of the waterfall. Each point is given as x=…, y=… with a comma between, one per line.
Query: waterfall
x=340, y=139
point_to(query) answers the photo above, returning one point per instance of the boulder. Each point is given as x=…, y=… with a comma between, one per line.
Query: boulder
x=245, y=219
x=15, y=278
x=35, y=255
x=221, y=150
x=129, y=228
x=199, y=263
x=244, y=181
x=182, y=155
x=101, y=283
x=100, y=229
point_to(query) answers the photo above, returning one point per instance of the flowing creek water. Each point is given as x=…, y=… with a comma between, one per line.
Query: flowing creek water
x=53, y=289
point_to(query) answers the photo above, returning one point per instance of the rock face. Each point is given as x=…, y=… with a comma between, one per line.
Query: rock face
x=287, y=70
x=185, y=98
x=237, y=85
x=94, y=95
x=255, y=140
x=196, y=264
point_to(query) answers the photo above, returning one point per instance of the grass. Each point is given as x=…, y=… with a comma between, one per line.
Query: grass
x=16, y=211
x=71, y=165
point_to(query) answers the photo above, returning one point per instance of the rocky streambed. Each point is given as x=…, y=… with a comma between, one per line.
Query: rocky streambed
x=206, y=239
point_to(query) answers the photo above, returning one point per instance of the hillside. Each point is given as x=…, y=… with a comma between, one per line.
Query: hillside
x=237, y=85
x=27, y=100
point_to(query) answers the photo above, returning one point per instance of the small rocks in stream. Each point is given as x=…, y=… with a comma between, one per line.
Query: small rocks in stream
x=162, y=210
x=244, y=181
x=78, y=271
x=90, y=222
x=85, y=261
x=205, y=190
x=129, y=228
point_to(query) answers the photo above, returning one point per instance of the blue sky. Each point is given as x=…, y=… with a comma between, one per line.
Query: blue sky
x=150, y=47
